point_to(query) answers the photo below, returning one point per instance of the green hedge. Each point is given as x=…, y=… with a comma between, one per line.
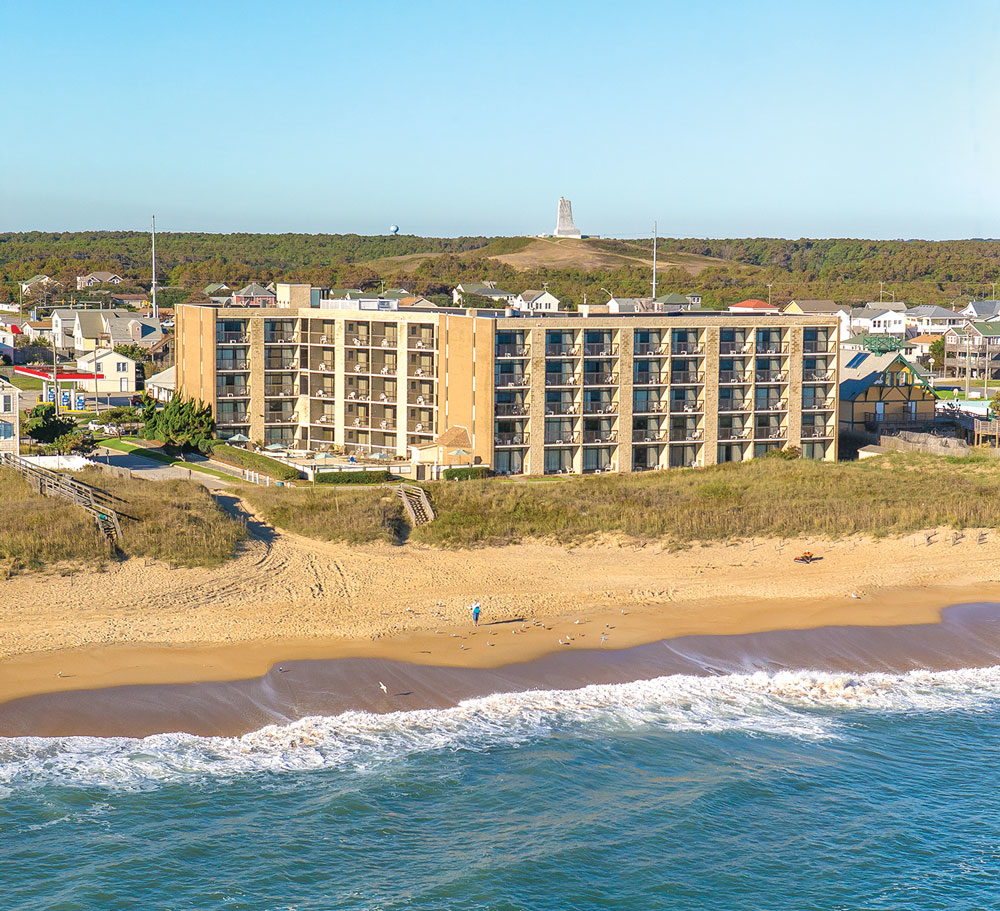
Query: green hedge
x=376, y=476
x=466, y=474
x=254, y=461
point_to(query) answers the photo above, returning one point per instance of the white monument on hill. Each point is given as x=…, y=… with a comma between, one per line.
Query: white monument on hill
x=564, y=220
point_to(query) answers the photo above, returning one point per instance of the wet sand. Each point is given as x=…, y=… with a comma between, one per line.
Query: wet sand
x=967, y=635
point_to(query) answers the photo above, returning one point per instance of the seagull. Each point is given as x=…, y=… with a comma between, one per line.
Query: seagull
x=383, y=687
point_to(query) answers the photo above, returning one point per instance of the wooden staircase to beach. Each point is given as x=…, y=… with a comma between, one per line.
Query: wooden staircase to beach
x=101, y=505
x=415, y=502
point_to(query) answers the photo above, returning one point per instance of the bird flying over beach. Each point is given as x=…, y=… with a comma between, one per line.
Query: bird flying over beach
x=383, y=687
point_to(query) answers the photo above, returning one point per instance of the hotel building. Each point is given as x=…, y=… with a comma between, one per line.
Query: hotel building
x=535, y=393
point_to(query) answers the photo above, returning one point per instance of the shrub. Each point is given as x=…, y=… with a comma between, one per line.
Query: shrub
x=251, y=460
x=466, y=474
x=377, y=476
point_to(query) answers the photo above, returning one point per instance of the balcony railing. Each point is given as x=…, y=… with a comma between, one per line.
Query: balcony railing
x=772, y=348
x=324, y=394
x=415, y=370
x=512, y=350
x=510, y=439
x=280, y=390
x=734, y=376
x=240, y=392
x=600, y=379
x=384, y=425
x=283, y=418
x=769, y=376
x=734, y=434
x=650, y=436
x=815, y=347
x=644, y=378
x=770, y=405
x=815, y=433
x=281, y=338
x=232, y=365
x=651, y=407
x=733, y=347
x=735, y=405
x=325, y=419
x=231, y=338
x=650, y=348
x=568, y=438
x=682, y=377
x=817, y=376
x=562, y=379
x=770, y=433
x=686, y=348
x=509, y=380
x=511, y=409
x=568, y=350
x=686, y=436
x=554, y=408
x=600, y=436
x=241, y=418
x=818, y=404
x=419, y=427
x=686, y=407
x=384, y=341
x=419, y=343
x=280, y=364
x=358, y=341
x=600, y=408
x=600, y=349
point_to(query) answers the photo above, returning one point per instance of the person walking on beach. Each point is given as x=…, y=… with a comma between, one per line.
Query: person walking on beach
x=476, y=610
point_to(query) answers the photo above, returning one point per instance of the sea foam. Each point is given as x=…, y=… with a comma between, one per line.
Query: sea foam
x=792, y=704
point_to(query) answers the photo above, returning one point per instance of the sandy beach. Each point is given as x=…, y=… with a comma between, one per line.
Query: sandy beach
x=289, y=598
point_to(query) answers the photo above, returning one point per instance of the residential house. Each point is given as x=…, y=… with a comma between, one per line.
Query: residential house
x=981, y=310
x=38, y=330
x=883, y=392
x=414, y=301
x=10, y=418
x=63, y=329
x=536, y=302
x=7, y=337
x=216, y=289
x=37, y=284
x=118, y=373
x=866, y=342
x=693, y=299
x=97, y=278
x=929, y=319
x=144, y=331
x=972, y=351
x=480, y=290
x=162, y=386
x=822, y=308
x=921, y=349
x=129, y=300
x=878, y=322
x=254, y=295
x=90, y=325
x=754, y=307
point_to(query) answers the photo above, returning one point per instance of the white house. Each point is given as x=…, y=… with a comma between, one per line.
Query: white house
x=119, y=372
x=488, y=290
x=878, y=322
x=536, y=302
x=929, y=319
x=981, y=310
x=97, y=278
x=10, y=418
x=161, y=386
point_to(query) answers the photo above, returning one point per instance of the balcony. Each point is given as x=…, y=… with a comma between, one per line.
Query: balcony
x=510, y=409
x=321, y=338
x=734, y=377
x=771, y=405
x=600, y=436
x=236, y=418
x=815, y=433
x=734, y=435
x=688, y=377
x=892, y=423
x=817, y=376
x=511, y=380
x=600, y=379
x=600, y=349
x=686, y=348
x=567, y=438
x=815, y=347
x=771, y=348
x=650, y=348
x=325, y=366
x=651, y=407
x=734, y=347
x=819, y=405
x=770, y=433
x=562, y=379
x=281, y=338
x=238, y=392
x=231, y=338
x=686, y=436
x=323, y=394
x=600, y=408
x=419, y=427
x=512, y=351
x=568, y=350
x=686, y=407
x=280, y=364
x=324, y=419
x=769, y=376
x=358, y=341
x=225, y=366
x=650, y=436
x=280, y=418
x=644, y=378
x=510, y=439
x=384, y=341
x=419, y=370
x=280, y=391
x=556, y=408
x=735, y=405
x=420, y=343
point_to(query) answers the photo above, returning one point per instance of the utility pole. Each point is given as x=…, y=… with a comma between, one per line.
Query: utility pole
x=968, y=358
x=156, y=311
x=769, y=294
x=654, y=260
x=880, y=284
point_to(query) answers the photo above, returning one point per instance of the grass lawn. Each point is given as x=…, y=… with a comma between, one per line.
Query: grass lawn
x=27, y=383
x=893, y=494
x=157, y=456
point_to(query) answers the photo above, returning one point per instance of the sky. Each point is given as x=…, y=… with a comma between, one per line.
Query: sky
x=733, y=118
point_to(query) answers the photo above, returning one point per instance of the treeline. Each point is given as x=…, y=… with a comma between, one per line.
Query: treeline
x=848, y=271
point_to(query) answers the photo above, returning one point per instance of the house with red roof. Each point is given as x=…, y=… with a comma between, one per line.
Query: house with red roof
x=754, y=307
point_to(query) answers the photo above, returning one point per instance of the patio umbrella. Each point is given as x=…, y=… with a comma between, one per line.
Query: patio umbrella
x=459, y=452
x=239, y=438
x=275, y=447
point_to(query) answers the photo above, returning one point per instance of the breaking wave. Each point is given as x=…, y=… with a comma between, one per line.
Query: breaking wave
x=790, y=704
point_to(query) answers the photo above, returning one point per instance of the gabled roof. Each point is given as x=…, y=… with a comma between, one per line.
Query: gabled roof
x=863, y=369
x=925, y=339
x=673, y=299
x=815, y=306
x=165, y=378
x=753, y=304
x=36, y=278
x=254, y=290
x=989, y=329
x=983, y=309
x=932, y=311
x=414, y=301
x=216, y=286
x=102, y=276
x=484, y=290
x=454, y=437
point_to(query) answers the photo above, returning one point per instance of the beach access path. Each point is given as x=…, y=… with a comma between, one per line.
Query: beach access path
x=285, y=597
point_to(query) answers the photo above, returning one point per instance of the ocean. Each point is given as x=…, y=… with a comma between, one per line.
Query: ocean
x=789, y=790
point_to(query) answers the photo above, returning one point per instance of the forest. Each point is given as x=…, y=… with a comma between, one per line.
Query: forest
x=846, y=270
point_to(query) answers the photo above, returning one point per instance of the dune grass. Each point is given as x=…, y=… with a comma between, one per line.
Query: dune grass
x=893, y=494
x=179, y=523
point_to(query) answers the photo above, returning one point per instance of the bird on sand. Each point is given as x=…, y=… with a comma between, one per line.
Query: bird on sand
x=383, y=687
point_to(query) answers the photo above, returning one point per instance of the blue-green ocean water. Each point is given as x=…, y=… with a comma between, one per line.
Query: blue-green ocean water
x=792, y=791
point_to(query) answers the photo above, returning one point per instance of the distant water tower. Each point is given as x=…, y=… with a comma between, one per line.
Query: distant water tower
x=393, y=229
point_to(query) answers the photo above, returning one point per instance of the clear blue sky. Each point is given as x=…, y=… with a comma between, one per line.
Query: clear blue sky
x=865, y=118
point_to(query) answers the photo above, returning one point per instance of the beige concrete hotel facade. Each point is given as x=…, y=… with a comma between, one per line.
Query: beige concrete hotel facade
x=559, y=393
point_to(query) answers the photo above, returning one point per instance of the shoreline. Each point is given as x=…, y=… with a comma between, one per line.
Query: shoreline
x=966, y=635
